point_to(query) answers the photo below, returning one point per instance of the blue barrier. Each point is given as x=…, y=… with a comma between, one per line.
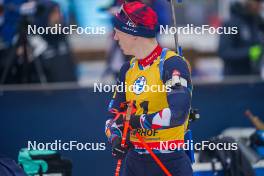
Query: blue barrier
x=79, y=114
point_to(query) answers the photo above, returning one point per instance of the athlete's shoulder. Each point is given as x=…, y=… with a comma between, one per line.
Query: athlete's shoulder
x=176, y=63
x=177, y=66
x=170, y=54
x=173, y=60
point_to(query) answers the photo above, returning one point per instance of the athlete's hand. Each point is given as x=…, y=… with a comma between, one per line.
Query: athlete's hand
x=118, y=152
x=120, y=116
x=134, y=121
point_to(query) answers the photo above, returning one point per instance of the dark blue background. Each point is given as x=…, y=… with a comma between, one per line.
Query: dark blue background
x=80, y=114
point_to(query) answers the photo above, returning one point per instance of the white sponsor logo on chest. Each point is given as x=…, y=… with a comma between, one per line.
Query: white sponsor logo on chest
x=139, y=84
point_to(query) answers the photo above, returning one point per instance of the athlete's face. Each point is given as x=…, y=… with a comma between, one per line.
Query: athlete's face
x=125, y=41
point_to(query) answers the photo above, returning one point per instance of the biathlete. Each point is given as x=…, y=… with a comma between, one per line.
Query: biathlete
x=161, y=115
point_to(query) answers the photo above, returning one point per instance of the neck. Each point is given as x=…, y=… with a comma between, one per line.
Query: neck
x=145, y=48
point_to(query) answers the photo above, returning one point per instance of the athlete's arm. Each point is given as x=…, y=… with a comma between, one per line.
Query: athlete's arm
x=120, y=96
x=176, y=74
x=112, y=129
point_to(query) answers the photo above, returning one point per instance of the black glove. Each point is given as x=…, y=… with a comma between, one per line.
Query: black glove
x=118, y=151
x=134, y=122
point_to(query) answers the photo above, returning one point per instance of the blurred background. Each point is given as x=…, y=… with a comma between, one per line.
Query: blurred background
x=46, y=90
x=91, y=58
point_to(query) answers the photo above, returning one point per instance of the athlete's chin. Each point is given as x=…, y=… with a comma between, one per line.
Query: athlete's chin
x=125, y=52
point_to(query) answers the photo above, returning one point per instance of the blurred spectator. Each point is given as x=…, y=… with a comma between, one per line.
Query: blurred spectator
x=10, y=20
x=22, y=64
x=242, y=52
x=57, y=59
